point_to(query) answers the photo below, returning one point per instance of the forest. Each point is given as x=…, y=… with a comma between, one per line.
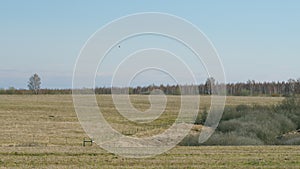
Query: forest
x=249, y=88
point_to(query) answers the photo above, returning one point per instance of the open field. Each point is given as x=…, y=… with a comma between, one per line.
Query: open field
x=51, y=119
x=43, y=132
x=179, y=157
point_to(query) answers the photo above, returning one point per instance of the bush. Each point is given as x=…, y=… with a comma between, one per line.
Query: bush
x=228, y=126
x=190, y=140
x=292, y=140
x=253, y=125
x=289, y=104
x=261, y=123
x=231, y=113
x=242, y=108
x=200, y=120
x=290, y=107
x=264, y=124
x=232, y=138
x=284, y=123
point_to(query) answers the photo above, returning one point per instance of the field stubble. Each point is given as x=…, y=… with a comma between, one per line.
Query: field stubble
x=43, y=132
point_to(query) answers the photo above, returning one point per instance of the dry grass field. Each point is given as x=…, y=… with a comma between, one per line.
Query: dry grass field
x=179, y=157
x=43, y=132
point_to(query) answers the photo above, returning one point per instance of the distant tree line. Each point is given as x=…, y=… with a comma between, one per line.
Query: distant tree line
x=12, y=90
x=252, y=88
x=249, y=88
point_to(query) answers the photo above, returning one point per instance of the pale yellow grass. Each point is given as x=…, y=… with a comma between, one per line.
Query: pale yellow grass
x=51, y=119
x=43, y=132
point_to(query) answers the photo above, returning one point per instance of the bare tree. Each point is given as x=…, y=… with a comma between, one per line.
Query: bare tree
x=291, y=84
x=34, y=83
x=210, y=86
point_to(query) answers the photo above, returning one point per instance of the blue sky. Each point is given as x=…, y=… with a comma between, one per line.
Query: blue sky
x=257, y=40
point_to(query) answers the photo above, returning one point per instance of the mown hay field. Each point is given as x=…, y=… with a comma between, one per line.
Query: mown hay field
x=43, y=132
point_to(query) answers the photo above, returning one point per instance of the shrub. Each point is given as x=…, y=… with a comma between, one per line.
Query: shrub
x=290, y=107
x=242, y=108
x=284, y=123
x=228, y=126
x=232, y=138
x=190, y=140
x=201, y=117
x=231, y=113
x=289, y=104
x=295, y=140
x=253, y=125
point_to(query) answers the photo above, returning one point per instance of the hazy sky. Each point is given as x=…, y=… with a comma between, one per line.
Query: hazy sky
x=257, y=40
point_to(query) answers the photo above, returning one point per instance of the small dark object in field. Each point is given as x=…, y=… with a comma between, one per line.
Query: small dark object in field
x=89, y=140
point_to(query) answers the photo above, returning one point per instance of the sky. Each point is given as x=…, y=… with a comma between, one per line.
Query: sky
x=257, y=40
